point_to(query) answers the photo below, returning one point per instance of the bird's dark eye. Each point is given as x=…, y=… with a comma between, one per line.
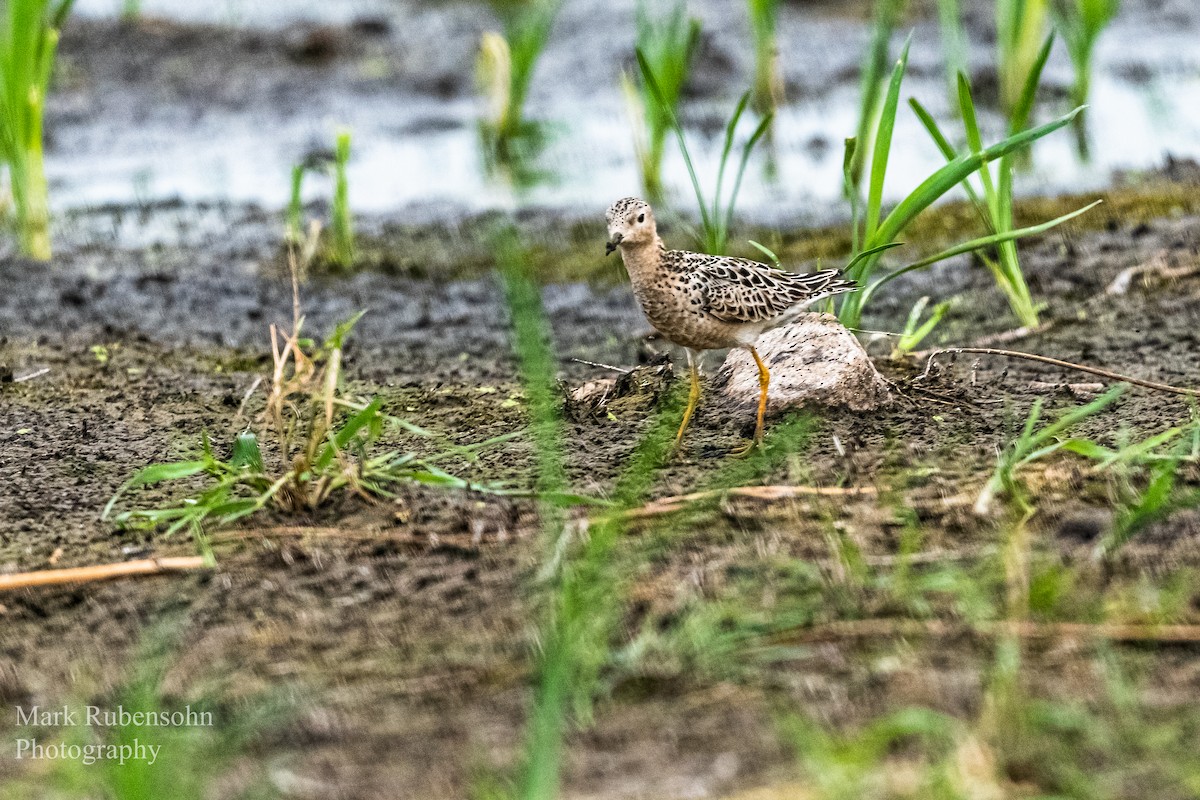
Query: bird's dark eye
x=641, y=217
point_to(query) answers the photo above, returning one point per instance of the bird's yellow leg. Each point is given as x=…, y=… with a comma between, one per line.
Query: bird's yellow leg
x=764, y=382
x=693, y=398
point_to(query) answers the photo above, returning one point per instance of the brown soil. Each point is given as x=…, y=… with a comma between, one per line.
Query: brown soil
x=406, y=630
x=406, y=627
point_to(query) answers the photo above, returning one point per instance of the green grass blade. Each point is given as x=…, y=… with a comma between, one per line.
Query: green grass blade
x=954, y=172
x=730, y=130
x=978, y=244
x=656, y=92
x=966, y=108
x=759, y=132
x=883, y=144
x=340, y=439
x=1023, y=110
x=157, y=473
x=948, y=151
x=865, y=254
x=849, y=151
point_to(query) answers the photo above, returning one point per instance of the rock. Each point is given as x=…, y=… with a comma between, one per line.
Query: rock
x=814, y=360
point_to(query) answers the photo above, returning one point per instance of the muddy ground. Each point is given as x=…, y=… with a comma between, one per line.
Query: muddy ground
x=405, y=630
x=402, y=635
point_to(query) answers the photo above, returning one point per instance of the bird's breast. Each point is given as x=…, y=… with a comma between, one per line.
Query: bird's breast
x=675, y=309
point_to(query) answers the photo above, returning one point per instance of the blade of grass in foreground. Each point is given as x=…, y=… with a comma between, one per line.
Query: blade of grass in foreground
x=586, y=590
x=584, y=600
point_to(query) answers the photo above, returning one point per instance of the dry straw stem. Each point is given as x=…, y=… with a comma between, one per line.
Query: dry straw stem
x=1103, y=373
x=669, y=505
x=101, y=572
x=873, y=628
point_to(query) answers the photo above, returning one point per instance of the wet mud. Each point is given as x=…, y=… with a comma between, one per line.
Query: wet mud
x=403, y=632
x=408, y=627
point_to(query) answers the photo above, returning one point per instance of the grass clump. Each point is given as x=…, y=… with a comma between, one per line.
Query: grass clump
x=507, y=60
x=313, y=440
x=29, y=33
x=716, y=216
x=1146, y=478
x=873, y=232
x=1032, y=444
x=667, y=42
x=768, y=80
x=994, y=199
x=849, y=766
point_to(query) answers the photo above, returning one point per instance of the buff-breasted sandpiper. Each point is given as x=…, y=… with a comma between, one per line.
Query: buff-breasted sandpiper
x=704, y=302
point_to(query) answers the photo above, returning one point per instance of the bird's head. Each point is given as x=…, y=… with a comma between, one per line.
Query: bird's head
x=630, y=224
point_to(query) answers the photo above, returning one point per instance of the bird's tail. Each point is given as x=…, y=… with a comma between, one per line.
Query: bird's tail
x=819, y=286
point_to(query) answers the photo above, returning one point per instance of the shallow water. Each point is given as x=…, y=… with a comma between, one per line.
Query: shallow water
x=415, y=146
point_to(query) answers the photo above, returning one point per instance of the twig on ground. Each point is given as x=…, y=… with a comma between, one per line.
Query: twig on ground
x=1159, y=265
x=101, y=572
x=621, y=370
x=669, y=505
x=929, y=556
x=872, y=628
x=1104, y=373
x=32, y=375
x=246, y=397
x=1003, y=337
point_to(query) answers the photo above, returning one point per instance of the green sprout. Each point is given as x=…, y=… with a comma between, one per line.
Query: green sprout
x=666, y=43
x=1081, y=22
x=915, y=330
x=873, y=232
x=341, y=250
x=768, y=81
x=343, y=230
x=1033, y=444
x=295, y=212
x=716, y=216
x=506, y=62
x=1020, y=29
x=29, y=33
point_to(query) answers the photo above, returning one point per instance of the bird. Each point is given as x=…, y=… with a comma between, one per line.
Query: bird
x=705, y=302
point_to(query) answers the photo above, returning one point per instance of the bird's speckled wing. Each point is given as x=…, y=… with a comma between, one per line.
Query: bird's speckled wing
x=740, y=290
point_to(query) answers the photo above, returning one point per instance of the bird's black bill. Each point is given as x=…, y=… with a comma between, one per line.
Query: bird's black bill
x=612, y=244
